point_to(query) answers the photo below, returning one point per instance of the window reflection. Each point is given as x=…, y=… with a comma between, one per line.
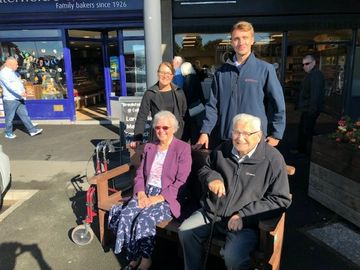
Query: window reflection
x=134, y=52
x=8, y=34
x=41, y=66
x=208, y=52
x=330, y=50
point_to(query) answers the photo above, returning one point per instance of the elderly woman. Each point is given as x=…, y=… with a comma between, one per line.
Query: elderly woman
x=196, y=103
x=164, y=169
x=164, y=95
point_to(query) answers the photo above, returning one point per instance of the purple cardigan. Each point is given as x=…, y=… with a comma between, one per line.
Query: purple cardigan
x=176, y=169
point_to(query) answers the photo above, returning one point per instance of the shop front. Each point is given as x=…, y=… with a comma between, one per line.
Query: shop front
x=284, y=33
x=76, y=58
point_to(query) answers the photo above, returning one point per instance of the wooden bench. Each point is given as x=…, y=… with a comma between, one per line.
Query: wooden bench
x=266, y=256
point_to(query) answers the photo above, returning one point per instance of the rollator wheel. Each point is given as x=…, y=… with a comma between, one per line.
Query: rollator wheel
x=82, y=235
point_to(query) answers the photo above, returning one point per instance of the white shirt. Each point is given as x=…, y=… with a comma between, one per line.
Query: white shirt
x=156, y=169
x=239, y=158
x=9, y=80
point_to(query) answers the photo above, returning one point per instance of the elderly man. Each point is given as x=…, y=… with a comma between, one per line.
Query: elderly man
x=245, y=180
x=178, y=77
x=13, y=99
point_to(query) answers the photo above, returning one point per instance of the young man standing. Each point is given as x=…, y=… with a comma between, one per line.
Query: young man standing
x=244, y=84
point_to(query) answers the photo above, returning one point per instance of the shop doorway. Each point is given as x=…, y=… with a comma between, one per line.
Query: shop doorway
x=87, y=61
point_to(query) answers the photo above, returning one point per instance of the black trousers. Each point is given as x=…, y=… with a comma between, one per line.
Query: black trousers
x=306, y=131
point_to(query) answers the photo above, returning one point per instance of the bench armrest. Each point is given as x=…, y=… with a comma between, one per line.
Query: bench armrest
x=269, y=225
x=105, y=201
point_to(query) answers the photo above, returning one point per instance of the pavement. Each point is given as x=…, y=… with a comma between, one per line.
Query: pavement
x=57, y=163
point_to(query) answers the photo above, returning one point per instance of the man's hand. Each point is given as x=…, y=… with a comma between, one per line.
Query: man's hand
x=235, y=223
x=272, y=141
x=217, y=187
x=203, y=140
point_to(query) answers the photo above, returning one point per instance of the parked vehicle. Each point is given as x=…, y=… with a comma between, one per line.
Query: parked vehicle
x=5, y=176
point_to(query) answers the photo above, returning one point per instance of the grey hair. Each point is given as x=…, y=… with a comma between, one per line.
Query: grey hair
x=254, y=121
x=166, y=115
x=187, y=68
x=309, y=56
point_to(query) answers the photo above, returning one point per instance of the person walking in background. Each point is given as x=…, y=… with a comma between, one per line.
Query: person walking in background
x=160, y=178
x=244, y=85
x=196, y=103
x=178, y=77
x=311, y=103
x=14, y=99
x=164, y=95
x=245, y=180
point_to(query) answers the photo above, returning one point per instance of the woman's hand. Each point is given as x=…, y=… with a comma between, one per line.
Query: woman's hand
x=134, y=144
x=143, y=200
x=155, y=199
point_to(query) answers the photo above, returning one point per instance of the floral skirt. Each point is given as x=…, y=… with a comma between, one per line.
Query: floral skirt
x=135, y=228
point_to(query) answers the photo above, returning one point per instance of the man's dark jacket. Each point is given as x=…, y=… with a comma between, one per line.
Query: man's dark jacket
x=254, y=188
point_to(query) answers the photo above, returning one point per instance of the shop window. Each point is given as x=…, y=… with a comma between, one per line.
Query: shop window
x=133, y=33
x=30, y=33
x=209, y=51
x=112, y=34
x=356, y=73
x=268, y=48
x=330, y=50
x=84, y=34
x=41, y=66
x=134, y=53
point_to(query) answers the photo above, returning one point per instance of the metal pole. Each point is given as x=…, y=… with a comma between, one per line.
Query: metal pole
x=152, y=26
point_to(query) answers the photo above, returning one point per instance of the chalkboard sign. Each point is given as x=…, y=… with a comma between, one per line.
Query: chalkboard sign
x=129, y=107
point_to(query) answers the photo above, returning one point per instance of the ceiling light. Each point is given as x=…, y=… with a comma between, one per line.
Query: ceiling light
x=190, y=37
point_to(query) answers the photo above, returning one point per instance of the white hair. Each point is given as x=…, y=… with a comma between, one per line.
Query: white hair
x=177, y=61
x=187, y=68
x=166, y=115
x=254, y=121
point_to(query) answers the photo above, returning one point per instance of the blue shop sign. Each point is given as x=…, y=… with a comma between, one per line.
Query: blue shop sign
x=27, y=6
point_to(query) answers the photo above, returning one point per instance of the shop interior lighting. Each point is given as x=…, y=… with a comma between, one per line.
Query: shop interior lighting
x=276, y=36
x=87, y=46
x=188, y=45
x=86, y=36
x=188, y=41
x=190, y=37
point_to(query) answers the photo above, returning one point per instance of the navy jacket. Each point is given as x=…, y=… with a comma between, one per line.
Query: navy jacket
x=254, y=89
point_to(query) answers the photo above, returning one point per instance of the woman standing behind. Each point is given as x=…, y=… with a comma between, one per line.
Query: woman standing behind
x=164, y=95
x=164, y=169
x=195, y=100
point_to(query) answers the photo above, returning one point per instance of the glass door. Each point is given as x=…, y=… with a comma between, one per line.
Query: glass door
x=87, y=55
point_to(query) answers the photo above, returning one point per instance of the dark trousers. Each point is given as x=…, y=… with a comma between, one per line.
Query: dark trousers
x=306, y=131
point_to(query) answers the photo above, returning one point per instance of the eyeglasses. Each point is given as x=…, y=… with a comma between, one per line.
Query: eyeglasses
x=306, y=64
x=243, y=133
x=165, y=128
x=163, y=73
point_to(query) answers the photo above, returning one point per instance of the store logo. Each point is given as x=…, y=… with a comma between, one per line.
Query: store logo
x=248, y=80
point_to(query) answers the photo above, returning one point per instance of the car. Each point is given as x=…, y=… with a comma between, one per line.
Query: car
x=5, y=176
